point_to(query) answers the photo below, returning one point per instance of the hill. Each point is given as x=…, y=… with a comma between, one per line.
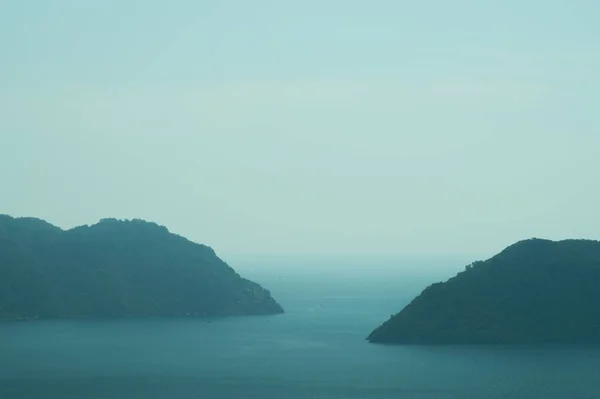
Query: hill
x=533, y=292
x=116, y=268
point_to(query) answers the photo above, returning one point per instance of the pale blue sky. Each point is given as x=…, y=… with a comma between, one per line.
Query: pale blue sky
x=284, y=127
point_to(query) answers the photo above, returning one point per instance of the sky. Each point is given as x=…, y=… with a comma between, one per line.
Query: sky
x=306, y=127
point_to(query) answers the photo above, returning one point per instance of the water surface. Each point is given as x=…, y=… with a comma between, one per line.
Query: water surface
x=316, y=350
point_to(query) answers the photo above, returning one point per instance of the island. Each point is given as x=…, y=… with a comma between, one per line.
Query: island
x=117, y=268
x=536, y=291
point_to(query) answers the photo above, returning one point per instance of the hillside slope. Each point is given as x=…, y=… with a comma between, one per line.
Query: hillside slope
x=535, y=291
x=116, y=268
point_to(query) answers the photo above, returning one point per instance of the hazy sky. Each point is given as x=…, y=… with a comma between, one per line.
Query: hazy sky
x=314, y=126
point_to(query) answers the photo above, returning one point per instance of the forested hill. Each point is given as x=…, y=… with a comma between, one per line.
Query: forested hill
x=535, y=291
x=116, y=268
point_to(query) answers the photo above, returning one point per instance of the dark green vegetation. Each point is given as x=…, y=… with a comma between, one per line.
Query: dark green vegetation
x=534, y=292
x=116, y=268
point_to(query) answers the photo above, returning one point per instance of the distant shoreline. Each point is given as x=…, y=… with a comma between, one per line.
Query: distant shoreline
x=131, y=317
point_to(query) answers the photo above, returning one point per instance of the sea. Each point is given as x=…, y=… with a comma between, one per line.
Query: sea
x=316, y=350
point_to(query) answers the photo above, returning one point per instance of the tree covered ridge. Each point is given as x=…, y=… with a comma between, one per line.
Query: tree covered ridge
x=117, y=268
x=534, y=291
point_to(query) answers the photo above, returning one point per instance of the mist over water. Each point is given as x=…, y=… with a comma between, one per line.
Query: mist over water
x=291, y=127
x=317, y=349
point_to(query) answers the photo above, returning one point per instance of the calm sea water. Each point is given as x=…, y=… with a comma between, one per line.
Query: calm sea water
x=316, y=350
